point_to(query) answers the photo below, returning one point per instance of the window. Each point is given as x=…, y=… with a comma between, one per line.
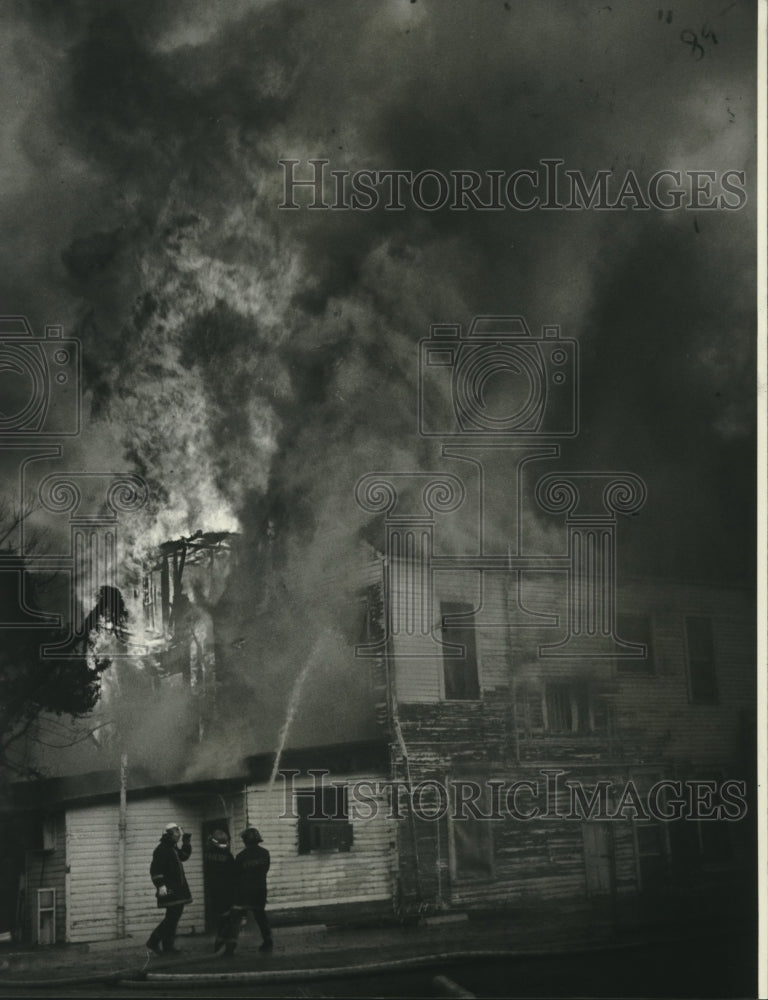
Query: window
x=459, y=671
x=637, y=629
x=324, y=819
x=567, y=707
x=701, y=660
x=370, y=631
x=49, y=833
x=651, y=847
x=45, y=932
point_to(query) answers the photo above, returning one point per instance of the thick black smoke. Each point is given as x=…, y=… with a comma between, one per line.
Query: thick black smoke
x=252, y=363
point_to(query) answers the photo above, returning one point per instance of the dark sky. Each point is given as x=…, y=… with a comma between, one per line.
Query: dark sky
x=245, y=359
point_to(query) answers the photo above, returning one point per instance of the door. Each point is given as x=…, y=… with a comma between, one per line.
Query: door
x=211, y=918
x=651, y=854
x=598, y=857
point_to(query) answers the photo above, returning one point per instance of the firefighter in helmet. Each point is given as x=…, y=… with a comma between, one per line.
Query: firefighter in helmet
x=251, y=867
x=219, y=867
x=171, y=888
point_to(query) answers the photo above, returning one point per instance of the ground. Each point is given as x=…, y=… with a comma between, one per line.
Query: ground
x=555, y=952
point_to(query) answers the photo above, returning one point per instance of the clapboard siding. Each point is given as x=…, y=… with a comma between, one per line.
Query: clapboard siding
x=91, y=845
x=419, y=660
x=92, y=841
x=538, y=858
x=635, y=717
x=650, y=710
x=319, y=879
x=324, y=878
x=146, y=820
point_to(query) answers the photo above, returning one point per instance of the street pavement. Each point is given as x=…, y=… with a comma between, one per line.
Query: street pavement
x=318, y=954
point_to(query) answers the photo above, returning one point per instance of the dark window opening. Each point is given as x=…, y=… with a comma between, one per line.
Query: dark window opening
x=568, y=707
x=637, y=629
x=324, y=819
x=701, y=660
x=459, y=671
x=371, y=616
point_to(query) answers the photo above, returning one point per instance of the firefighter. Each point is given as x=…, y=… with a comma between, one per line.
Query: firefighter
x=220, y=887
x=167, y=873
x=251, y=867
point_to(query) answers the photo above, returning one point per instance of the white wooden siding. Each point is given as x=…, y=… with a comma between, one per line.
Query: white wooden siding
x=362, y=874
x=92, y=838
x=420, y=677
x=91, y=853
x=655, y=707
x=146, y=820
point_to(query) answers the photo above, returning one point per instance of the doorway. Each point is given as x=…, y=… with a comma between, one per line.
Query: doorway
x=210, y=869
x=598, y=857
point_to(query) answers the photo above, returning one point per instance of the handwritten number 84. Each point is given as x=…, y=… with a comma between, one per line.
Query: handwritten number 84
x=689, y=37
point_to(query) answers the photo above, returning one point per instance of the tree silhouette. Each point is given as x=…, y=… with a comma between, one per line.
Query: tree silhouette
x=31, y=683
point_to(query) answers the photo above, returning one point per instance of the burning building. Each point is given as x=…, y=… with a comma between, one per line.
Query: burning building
x=247, y=356
x=401, y=770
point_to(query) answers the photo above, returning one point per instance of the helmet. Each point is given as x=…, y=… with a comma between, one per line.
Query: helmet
x=251, y=835
x=171, y=826
x=219, y=838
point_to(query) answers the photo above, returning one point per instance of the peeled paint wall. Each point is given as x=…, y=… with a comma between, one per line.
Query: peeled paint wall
x=654, y=723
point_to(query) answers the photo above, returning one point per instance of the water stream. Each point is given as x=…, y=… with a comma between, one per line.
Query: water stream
x=293, y=704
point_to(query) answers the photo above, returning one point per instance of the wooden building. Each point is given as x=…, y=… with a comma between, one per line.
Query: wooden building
x=475, y=700
x=507, y=711
x=87, y=877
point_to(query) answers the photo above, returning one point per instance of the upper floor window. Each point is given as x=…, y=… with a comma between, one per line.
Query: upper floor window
x=636, y=629
x=701, y=660
x=460, y=677
x=567, y=707
x=371, y=615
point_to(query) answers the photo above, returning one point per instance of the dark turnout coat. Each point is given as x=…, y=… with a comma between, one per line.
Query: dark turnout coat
x=167, y=869
x=251, y=867
x=219, y=866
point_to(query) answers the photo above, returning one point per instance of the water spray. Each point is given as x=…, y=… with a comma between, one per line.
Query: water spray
x=293, y=704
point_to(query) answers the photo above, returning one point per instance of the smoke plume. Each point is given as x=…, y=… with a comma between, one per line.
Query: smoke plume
x=253, y=363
